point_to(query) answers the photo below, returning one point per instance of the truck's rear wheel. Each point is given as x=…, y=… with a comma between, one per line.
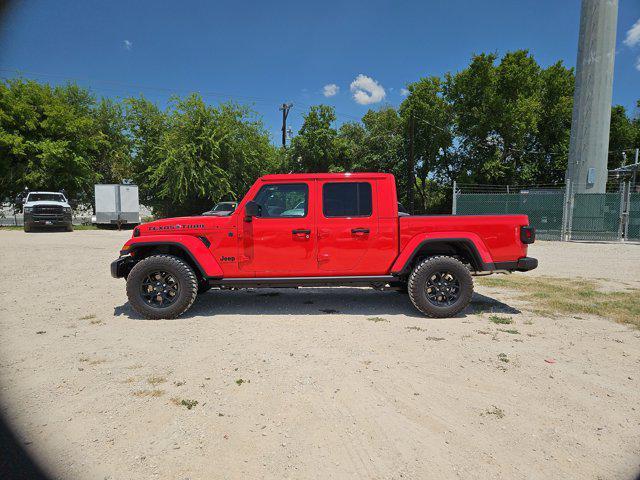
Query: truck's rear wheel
x=440, y=286
x=161, y=286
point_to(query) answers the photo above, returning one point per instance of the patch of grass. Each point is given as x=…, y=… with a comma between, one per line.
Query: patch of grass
x=434, y=339
x=483, y=332
x=40, y=332
x=377, y=319
x=179, y=383
x=240, y=381
x=500, y=320
x=156, y=380
x=88, y=317
x=184, y=402
x=512, y=331
x=528, y=322
x=571, y=297
x=148, y=393
x=503, y=357
x=497, y=412
x=417, y=329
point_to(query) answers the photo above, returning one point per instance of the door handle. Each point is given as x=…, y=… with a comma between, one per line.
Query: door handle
x=360, y=231
x=301, y=232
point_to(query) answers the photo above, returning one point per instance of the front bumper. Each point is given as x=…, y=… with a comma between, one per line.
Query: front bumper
x=47, y=220
x=121, y=267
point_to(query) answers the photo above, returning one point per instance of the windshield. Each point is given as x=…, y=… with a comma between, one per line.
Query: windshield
x=49, y=197
x=224, y=207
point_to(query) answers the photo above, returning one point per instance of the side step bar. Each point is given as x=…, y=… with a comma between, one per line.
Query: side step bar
x=253, y=282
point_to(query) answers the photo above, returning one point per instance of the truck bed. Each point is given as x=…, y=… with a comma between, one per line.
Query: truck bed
x=500, y=233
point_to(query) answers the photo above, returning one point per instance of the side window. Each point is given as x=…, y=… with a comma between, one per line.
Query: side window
x=346, y=199
x=283, y=200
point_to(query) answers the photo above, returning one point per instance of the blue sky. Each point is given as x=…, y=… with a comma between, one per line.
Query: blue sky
x=266, y=52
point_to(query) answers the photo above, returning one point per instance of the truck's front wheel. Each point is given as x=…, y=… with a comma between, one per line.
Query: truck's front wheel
x=440, y=286
x=161, y=286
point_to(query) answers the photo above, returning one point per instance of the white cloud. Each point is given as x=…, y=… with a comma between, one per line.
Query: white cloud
x=366, y=90
x=404, y=92
x=128, y=44
x=330, y=90
x=638, y=64
x=633, y=35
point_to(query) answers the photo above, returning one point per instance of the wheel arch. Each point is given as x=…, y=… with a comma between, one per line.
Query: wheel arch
x=463, y=248
x=192, y=250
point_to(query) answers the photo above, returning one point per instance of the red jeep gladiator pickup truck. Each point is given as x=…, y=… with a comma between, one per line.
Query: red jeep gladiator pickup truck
x=324, y=229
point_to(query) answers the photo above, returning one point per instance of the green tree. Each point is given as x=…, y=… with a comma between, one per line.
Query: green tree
x=192, y=155
x=113, y=157
x=622, y=137
x=315, y=148
x=436, y=165
x=49, y=138
x=554, y=127
x=497, y=109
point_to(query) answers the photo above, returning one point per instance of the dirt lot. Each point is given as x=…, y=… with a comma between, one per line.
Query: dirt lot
x=315, y=383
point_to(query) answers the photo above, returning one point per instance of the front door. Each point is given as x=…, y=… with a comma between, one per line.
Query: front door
x=281, y=241
x=347, y=226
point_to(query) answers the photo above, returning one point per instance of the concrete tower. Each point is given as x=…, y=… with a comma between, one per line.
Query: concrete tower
x=589, y=143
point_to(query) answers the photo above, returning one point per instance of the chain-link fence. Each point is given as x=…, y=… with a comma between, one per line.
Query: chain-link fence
x=555, y=213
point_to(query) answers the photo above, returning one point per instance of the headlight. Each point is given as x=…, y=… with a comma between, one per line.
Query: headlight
x=67, y=209
x=28, y=209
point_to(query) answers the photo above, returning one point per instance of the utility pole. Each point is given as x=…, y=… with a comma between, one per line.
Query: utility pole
x=589, y=141
x=411, y=162
x=284, y=108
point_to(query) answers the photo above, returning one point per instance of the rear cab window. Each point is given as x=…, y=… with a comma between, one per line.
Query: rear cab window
x=347, y=199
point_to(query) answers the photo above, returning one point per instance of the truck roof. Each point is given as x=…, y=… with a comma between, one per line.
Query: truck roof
x=324, y=176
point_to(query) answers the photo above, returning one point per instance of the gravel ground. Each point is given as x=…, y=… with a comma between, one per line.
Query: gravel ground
x=311, y=383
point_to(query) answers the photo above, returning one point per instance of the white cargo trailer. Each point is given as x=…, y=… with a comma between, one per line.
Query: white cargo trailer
x=117, y=204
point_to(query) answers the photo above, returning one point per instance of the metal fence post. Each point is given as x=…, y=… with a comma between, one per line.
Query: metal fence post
x=454, y=203
x=567, y=211
x=625, y=207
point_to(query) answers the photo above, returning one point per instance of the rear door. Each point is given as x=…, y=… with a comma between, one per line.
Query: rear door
x=347, y=226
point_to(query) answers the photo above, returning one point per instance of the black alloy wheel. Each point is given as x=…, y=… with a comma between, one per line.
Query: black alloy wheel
x=440, y=286
x=443, y=289
x=159, y=289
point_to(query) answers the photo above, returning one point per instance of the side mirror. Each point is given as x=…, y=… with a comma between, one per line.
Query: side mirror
x=252, y=209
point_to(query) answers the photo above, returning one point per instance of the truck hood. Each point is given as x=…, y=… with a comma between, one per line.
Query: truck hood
x=48, y=203
x=184, y=225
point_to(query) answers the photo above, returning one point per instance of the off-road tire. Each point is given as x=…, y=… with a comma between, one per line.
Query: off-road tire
x=425, y=270
x=28, y=228
x=177, y=267
x=69, y=228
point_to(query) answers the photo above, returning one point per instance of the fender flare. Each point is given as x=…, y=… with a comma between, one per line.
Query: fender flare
x=471, y=241
x=193, y=247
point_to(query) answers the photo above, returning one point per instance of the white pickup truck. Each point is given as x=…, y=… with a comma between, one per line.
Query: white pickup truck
x=46, y=209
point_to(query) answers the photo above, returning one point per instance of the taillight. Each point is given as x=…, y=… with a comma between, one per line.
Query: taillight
x=527, y=234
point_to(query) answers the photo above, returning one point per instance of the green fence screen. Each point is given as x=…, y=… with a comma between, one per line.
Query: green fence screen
x=543, y=208
x=633, y=229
